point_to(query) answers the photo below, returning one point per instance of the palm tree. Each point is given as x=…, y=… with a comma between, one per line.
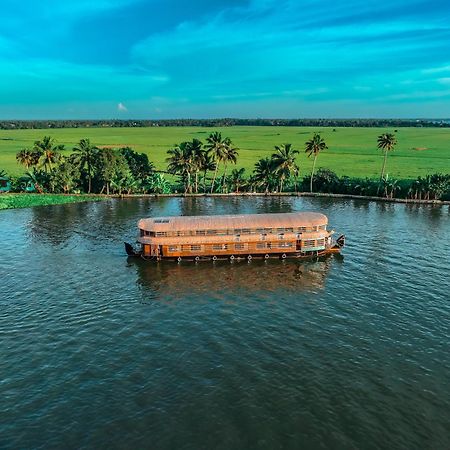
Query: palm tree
x=86, y=153
x=48, y=151
x=216, y=147
x=237, y=179
x=385, y=142
x=180, y=162
x=313, y=147
x=230, y=156
x=263, y=173
x=284, y=162
x=207, y=164
x=27, y=158
x=198, y=156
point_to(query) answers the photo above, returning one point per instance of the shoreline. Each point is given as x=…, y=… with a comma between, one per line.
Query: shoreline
x=32, y=200
x=292, y=194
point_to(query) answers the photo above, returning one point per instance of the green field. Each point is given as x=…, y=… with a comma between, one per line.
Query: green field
x=11, y=201
x=352, y=151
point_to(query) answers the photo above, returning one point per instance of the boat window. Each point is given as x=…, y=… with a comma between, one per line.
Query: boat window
x=301, y=229
x=211, y=231
x=239, y=246
x=281, y=236
x=173, y=249
x=200, y=232
x=289, y=230
x=260, y=245
x=260, y=230
x=323, y=227
x=309, y=243
x=238, y=230
x=161, y=221
x=280, y=229
x=142, y=232
x=161, y=233
x=196, y=248
x=246, y=231
x=284, y=244
x=220, y=246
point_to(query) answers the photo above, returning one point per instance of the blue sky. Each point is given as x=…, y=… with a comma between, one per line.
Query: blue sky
x=225, y=58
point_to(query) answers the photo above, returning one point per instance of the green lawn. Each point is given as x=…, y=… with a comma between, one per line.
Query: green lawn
x=352, y=151
x=10, y=201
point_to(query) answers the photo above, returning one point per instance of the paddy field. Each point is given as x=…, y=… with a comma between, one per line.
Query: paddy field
x=352, y=151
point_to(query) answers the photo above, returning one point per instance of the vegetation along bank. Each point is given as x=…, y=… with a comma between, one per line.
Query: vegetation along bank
x=207, y=166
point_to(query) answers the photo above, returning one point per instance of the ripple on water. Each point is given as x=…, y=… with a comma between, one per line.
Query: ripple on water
x=98, y=351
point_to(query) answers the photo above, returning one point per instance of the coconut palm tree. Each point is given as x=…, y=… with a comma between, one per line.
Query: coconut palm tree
x=230, y=156
x=27, y=158
x=216, y=147
x=207, y=164
x=263, y=173
x=48, y=151
x=198, y=156
x=385, y=142
x=284, y=162
x=237, y=179
x=313, y=147
x=180, y=162
x=86, y=154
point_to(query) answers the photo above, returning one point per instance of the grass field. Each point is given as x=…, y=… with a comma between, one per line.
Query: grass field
x=352, y=151
x=11, y=201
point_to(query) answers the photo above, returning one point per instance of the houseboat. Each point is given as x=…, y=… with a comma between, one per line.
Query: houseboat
x=300, y=235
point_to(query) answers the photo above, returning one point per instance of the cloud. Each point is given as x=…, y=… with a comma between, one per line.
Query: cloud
x=121, y=107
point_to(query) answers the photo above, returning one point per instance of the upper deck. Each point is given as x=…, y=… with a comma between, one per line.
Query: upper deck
x=233, y=224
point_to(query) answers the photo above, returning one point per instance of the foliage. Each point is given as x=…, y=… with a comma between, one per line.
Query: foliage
x=8, y=201
x=313, y=147
x=84, y=155
x=284, y=164
x=156, y=184
x=386, y=142
x=196, y=166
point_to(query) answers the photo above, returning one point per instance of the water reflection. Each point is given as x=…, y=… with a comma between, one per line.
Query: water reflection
x=209, y=278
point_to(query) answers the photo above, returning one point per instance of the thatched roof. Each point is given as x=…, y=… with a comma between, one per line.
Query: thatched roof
x=252, y=221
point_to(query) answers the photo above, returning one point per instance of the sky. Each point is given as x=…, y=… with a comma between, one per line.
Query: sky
x=159, y=59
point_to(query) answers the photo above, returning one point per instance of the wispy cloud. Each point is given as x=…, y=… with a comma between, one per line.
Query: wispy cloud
x=121, y=107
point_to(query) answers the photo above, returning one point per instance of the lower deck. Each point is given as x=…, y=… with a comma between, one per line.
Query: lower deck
x=235, y=249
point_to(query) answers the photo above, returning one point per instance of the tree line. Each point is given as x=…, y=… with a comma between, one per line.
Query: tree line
x=204, y=167
x=221, y=122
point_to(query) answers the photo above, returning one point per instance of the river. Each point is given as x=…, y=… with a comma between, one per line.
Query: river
x=100, y=351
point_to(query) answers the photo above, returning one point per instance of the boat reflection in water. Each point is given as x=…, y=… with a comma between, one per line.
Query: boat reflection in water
x=168, y=278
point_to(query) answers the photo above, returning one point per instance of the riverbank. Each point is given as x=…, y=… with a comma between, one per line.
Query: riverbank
x=293, y=194
x=11, y=201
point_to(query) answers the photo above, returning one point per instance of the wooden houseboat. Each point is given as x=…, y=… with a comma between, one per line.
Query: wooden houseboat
x=300, y=234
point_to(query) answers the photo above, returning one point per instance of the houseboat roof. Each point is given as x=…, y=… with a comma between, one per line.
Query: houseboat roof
x=273, y=220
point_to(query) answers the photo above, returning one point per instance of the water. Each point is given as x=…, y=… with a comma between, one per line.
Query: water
x=98, y=351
